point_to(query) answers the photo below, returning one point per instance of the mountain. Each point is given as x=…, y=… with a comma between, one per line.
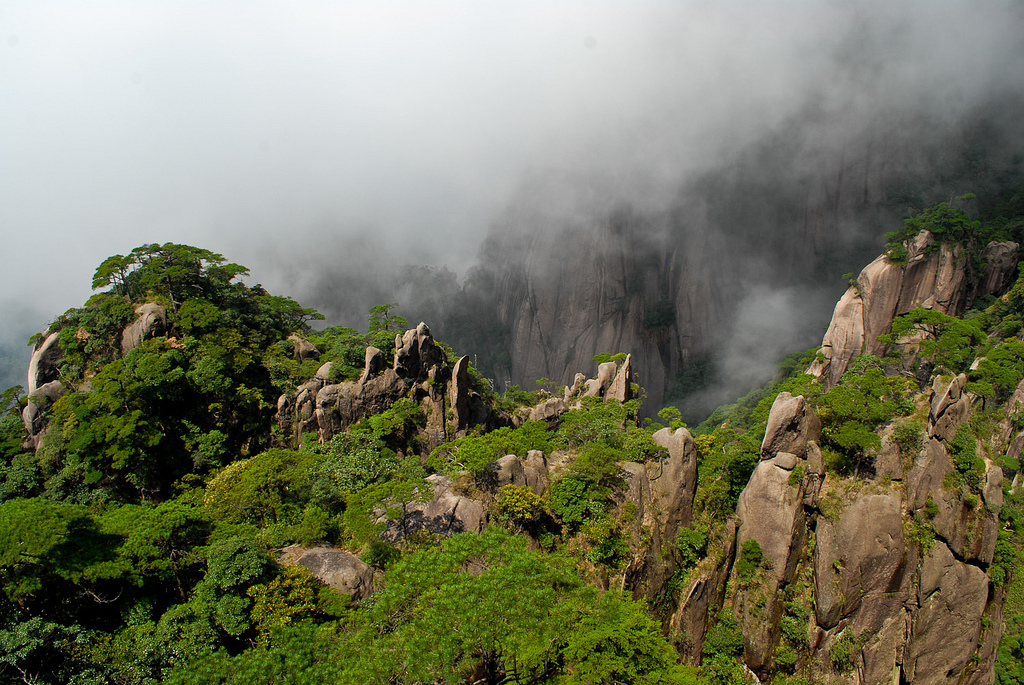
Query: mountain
x=201, y=487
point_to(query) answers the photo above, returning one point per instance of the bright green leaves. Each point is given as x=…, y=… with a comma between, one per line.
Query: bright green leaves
x=473, y=453
x=942, y=340
x=851, y=411
x=485, y=602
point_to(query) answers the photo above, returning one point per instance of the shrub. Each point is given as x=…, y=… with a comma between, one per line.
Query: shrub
x=517, y=504
x=751, y=558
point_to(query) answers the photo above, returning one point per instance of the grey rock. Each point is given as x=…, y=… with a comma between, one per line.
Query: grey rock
x=674, y=480
x=33, y=415
x=605, y=376
x=335, y=568
x=621, y=388
x=446, y=513
x=786, y=460
x=574, y=389
x=42, y=368
x=535, y=468
x=946, y=628
x=150, y=321
x=791, y=425
x=302, y=349
x=890, y=459
x=324, y=372
x=770, y=510
x=373, y=365
x=416, y=353
x=509, y=471
x=993, y=492
x=458, y=394
x=592, y=388
x=550, y=410
x=1000, y=267
x=862, y=572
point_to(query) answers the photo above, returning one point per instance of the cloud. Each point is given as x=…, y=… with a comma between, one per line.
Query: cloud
x=281, y=134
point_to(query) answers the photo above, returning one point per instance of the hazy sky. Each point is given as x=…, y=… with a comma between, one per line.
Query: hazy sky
x=271, y=130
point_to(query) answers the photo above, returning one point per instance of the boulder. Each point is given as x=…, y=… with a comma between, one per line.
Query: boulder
x=375, y=362
x=791, y=425
x=42, y=368
x=150, y=321
x=993, y=492
x=605, y=376
x=446, y=513
x=458, y=395
x=1000, y=267
x=673, y=481
x=862, y=572
x=947, y=627
x=535, y=469
x=302, y=349
x=621, y=388
x=770, y=510
x=324, y=372
x=704, y=594
x=335, y=568
x=550, y=410
x=509, y=471
x=416, y=353
x=889, y=463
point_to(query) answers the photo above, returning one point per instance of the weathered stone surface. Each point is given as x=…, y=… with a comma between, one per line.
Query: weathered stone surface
x=704, y=594
x=889, y=463
x=458, y=395
x=535, y=469
x=42, y=368
x=302, y=349
x=993, y=492
x=1000, y=267
x=605, y=376
x=324, y=372
x=674, y=481
x=946, y=628
x=333, y=567
x=150, y=321
x=791, y=424
x=843, y=340
x=509, y=471
x=576, y=387
x=445, y=514
x=592, y=388
x=862, y=571
x=968, y=529
x=340, y=405
x=550, y=410
x=33, y=414
x=770, y=510
x=931, y=279
x=621, y=387
x=373, y=364
x=883, y=654
x=416, y=353
x=786, y=460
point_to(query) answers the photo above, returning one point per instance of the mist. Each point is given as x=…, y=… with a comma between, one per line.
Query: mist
x=339, y=148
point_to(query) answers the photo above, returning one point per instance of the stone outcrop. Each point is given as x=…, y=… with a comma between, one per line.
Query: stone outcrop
x=445, y=513
x=934, y=277
x=33, y=415
x=42, y=368
x=302, y=349
x=792, y=424
x=335, y=568
x=150, y=322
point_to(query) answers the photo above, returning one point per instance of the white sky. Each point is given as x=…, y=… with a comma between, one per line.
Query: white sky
x=274, y=128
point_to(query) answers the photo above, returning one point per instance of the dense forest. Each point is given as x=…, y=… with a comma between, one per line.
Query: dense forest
x=199, y=486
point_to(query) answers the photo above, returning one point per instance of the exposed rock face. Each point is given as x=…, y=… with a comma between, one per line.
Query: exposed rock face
x=42, y=368
x=791, y=425
x=458, y=395
x=949, y=408
x=947, y=626
x=446, y=513
x=150, y=321
x=33, y=414
x=862, y=572
x=931, y=279
x=344, y=404
x=374, y=364
x=333, y=567
x=302, y=349
x=416, y=353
